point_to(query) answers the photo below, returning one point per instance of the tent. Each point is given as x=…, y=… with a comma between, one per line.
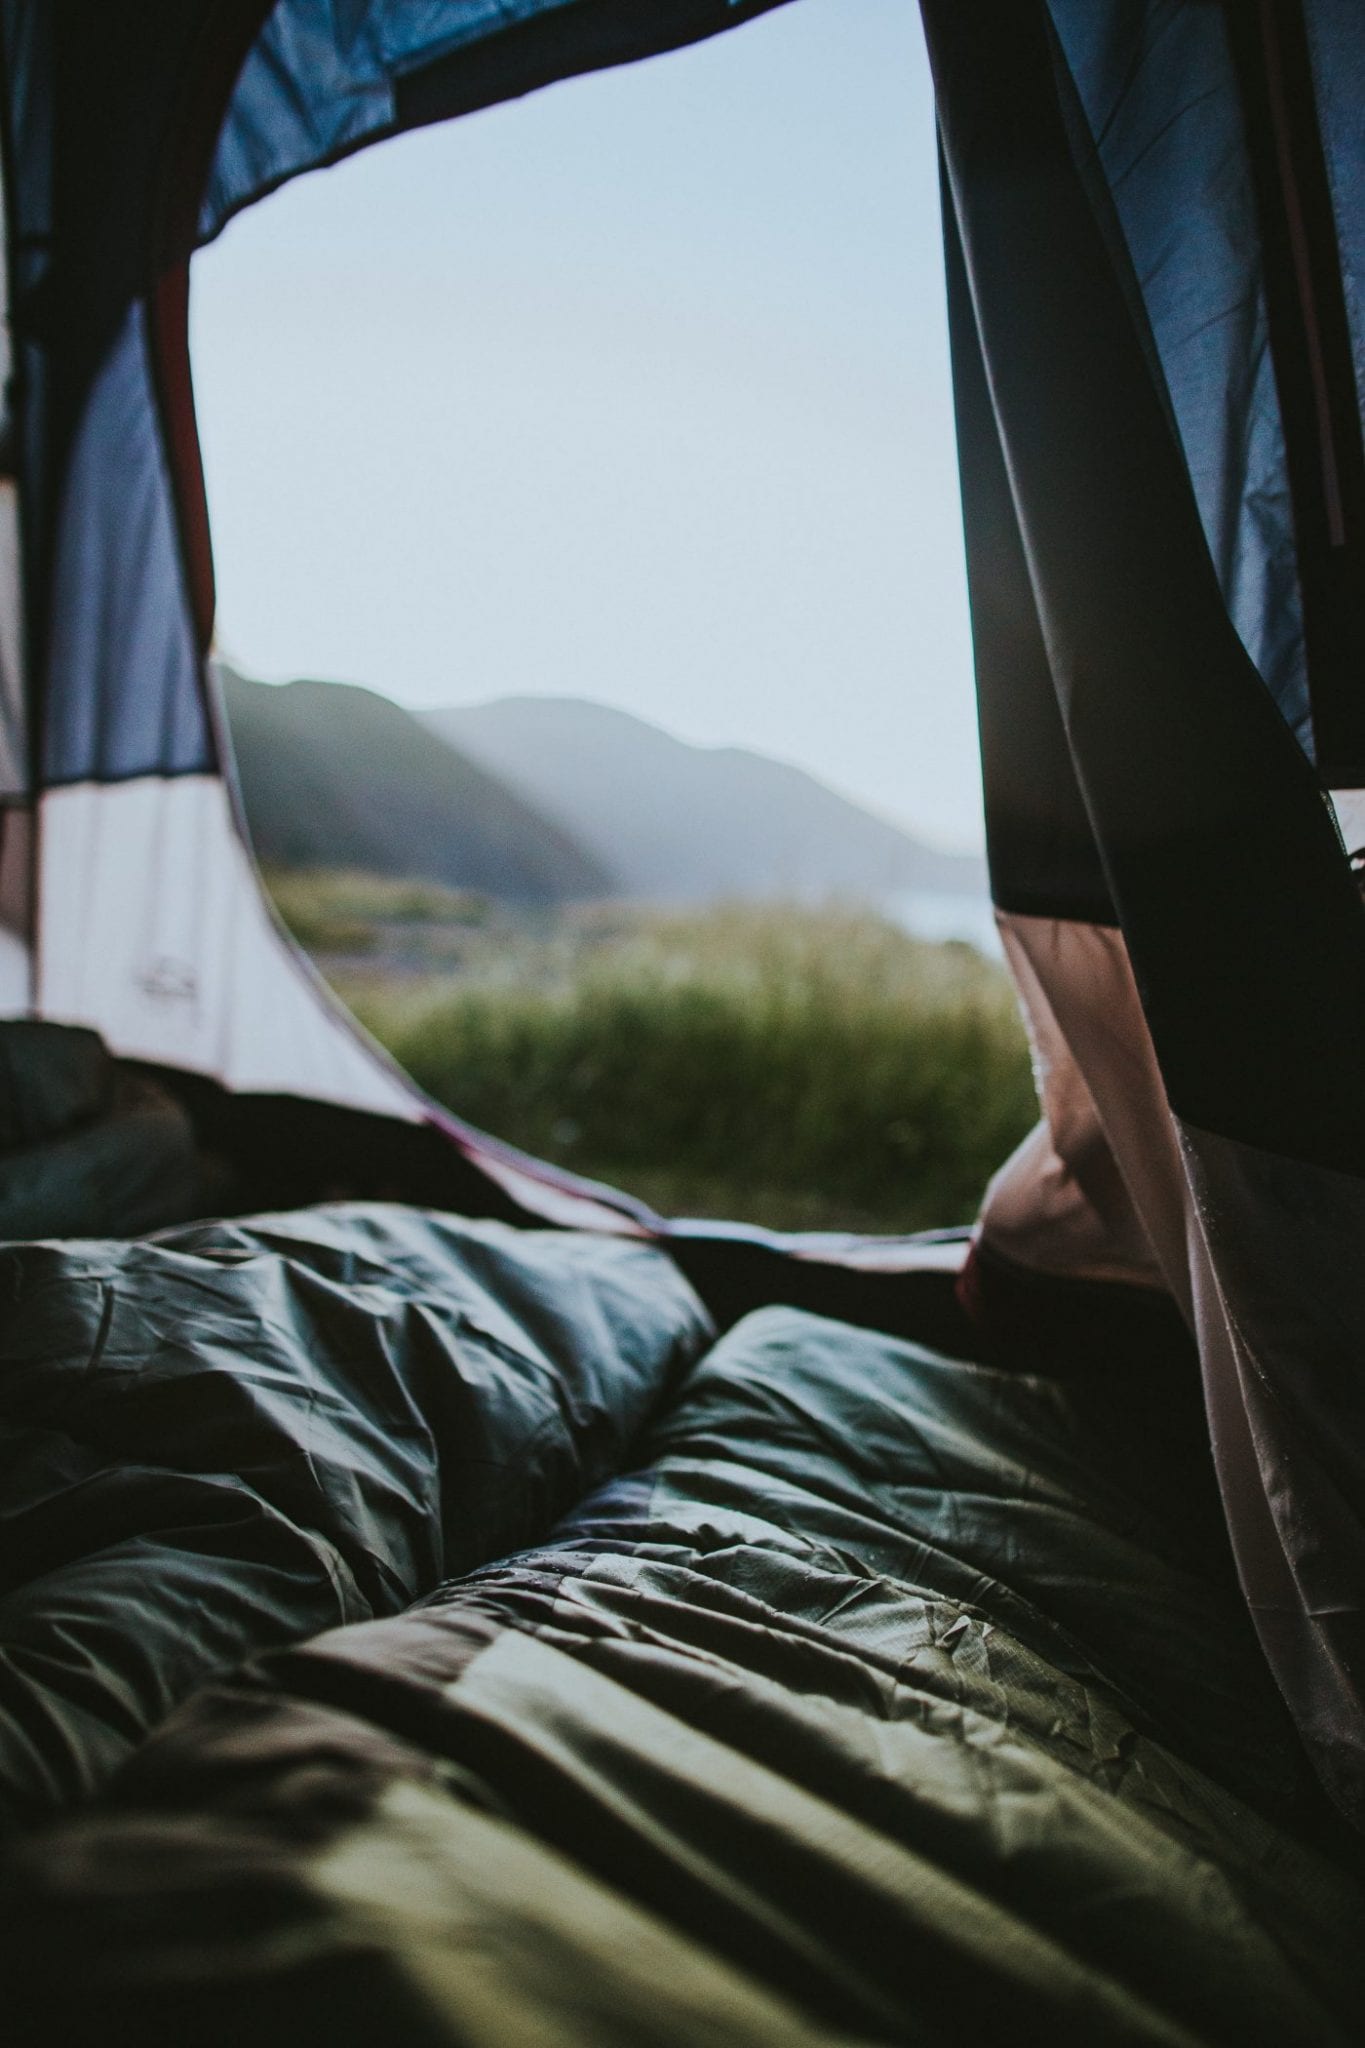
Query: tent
x=133, y=134
x=1155, y=225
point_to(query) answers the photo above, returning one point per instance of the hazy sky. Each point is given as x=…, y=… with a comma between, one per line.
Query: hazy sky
x=637, y=390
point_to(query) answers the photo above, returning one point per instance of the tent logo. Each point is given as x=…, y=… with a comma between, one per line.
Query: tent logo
x=168, y=980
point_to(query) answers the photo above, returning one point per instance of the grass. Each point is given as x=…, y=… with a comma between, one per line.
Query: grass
x=804, y=1068
x=345, y=912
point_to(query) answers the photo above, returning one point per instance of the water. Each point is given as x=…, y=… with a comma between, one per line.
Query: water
x=936, y=914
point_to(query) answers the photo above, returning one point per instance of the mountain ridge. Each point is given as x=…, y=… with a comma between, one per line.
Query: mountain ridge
x=683, y=823
x=333, y=775
x=547, y=800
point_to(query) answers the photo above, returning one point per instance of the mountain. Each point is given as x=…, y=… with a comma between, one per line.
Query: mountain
x=334, y=776
x=686, y=824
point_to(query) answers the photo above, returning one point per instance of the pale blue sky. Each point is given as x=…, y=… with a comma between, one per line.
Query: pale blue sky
x=636, y=390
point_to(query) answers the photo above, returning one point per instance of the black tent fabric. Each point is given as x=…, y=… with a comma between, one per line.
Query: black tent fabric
x=1200, y=1032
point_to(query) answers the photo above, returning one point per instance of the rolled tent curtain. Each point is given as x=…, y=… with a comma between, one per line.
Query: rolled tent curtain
x=1173, y=892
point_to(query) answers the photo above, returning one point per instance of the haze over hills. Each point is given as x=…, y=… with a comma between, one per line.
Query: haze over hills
x=679, y=823
x=549, y=800
x=335, y=776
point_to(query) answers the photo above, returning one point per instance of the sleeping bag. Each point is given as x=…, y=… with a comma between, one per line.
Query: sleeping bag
x=806, y=1686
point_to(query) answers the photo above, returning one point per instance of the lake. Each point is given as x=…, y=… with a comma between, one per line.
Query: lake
x=937, y=914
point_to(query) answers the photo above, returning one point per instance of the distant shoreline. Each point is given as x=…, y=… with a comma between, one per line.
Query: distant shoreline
x=940, y=914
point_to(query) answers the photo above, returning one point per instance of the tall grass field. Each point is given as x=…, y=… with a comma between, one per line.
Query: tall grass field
x=807, y=1069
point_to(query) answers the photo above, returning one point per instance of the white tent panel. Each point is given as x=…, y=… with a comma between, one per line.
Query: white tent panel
x=16, y=967
x=152, y=928
x=1349, y=808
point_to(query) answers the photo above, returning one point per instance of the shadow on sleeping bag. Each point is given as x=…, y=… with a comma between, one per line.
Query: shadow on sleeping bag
x=87, y=1148
x=881, y=1697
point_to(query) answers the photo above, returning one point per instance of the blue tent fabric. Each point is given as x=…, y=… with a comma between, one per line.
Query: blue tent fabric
x=1336, y=35
x=126, y=690
x=320, y=79
x=1160, y=97
x=324, y=76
